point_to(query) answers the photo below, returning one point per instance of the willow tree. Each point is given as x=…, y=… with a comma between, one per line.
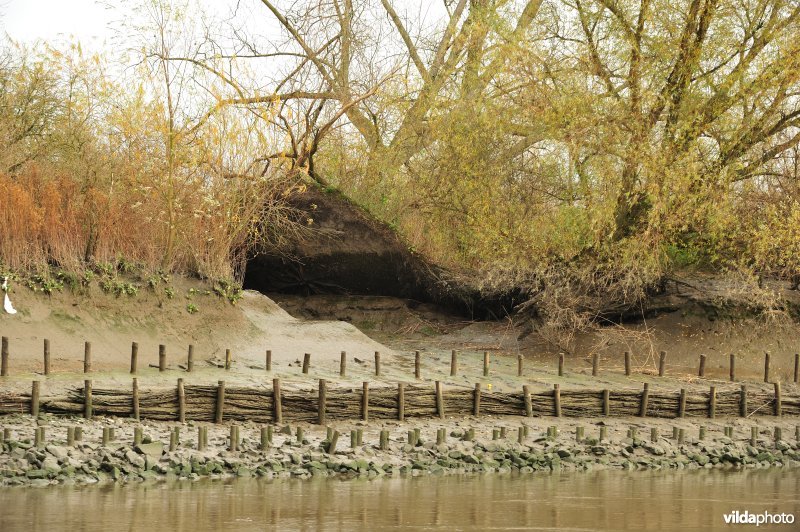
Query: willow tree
x=694, y=97
x=530, y=137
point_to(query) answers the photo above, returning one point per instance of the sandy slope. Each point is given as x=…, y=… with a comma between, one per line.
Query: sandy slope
x=111, y=324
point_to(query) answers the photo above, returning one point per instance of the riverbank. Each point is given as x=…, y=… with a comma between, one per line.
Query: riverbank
x=89, y=461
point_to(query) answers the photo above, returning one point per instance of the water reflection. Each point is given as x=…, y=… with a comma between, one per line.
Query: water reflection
x=609, y=500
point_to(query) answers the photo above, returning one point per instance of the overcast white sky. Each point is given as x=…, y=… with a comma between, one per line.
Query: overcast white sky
x=56, y=20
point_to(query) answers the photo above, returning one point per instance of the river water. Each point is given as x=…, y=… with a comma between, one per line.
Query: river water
x=605, y=500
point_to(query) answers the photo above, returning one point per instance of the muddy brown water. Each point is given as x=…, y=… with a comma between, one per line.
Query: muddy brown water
x=603, y=500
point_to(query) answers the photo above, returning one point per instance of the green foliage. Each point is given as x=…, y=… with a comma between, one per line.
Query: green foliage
x=113, y=285
x=229, y=290
x=169, y=292
x=44, y=283
x=191, y=308
x=71, y=280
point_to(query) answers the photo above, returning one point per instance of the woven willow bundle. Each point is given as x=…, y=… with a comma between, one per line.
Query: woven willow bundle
x=502, y=404
x=420, y=401
x=344, y=403
x=258, y=404
x=458, y=402
x=14, y=403
x=579, y=403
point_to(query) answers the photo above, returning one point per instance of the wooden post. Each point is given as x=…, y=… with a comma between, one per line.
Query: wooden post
x=797, y=368
x=712, y=403
x=603, y=432
x=701, y=371
x=87, y=399
x=78, y=433
x=181, y=402
x=323, y=395
x=753, y=436
x=343, y=364
x=70, y=436
x=135, y=397
x=561, y=364
x=681, y=436
x=384, y=441
x=35, y=399
x=353, y=439
x=627, y=363
x=662, y=363
x=702, y=434
x=87, y=357
x=476, y=400
x=595, y=364
x=365, y=401
x=557, y=399
x=377, y=363
x=306, y=362
x=579, y=433
x=645, y=398
x=682, y=404
x=232, y=439
x=228, y=359
x=190, y=359
x=276, y=400
x=220, y=406
x=173, y=441
x=332, y=443
x=439, y=400
x=4, y=357
x=453, y=363
x=778, y=410
x=134, y=357
x=606, y=402
x=162, y=357
x=766, y=366
x=778, y=434
x=520, y=434
x=201, y=442
x=732, y=365
x=268, y=361
x=743, y=401
x=526, y=397
x=264, y=439
x=486, y=364
x=674, y=433
x=416, y=365
x=401, y=401
x=46, y=356
x=520, y=360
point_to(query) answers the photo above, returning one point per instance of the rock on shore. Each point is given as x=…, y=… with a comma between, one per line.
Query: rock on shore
x=23, y=463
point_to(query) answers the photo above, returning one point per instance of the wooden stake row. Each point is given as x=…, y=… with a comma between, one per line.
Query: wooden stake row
x=74, y=436
x=162, y=362
x=364, y=404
